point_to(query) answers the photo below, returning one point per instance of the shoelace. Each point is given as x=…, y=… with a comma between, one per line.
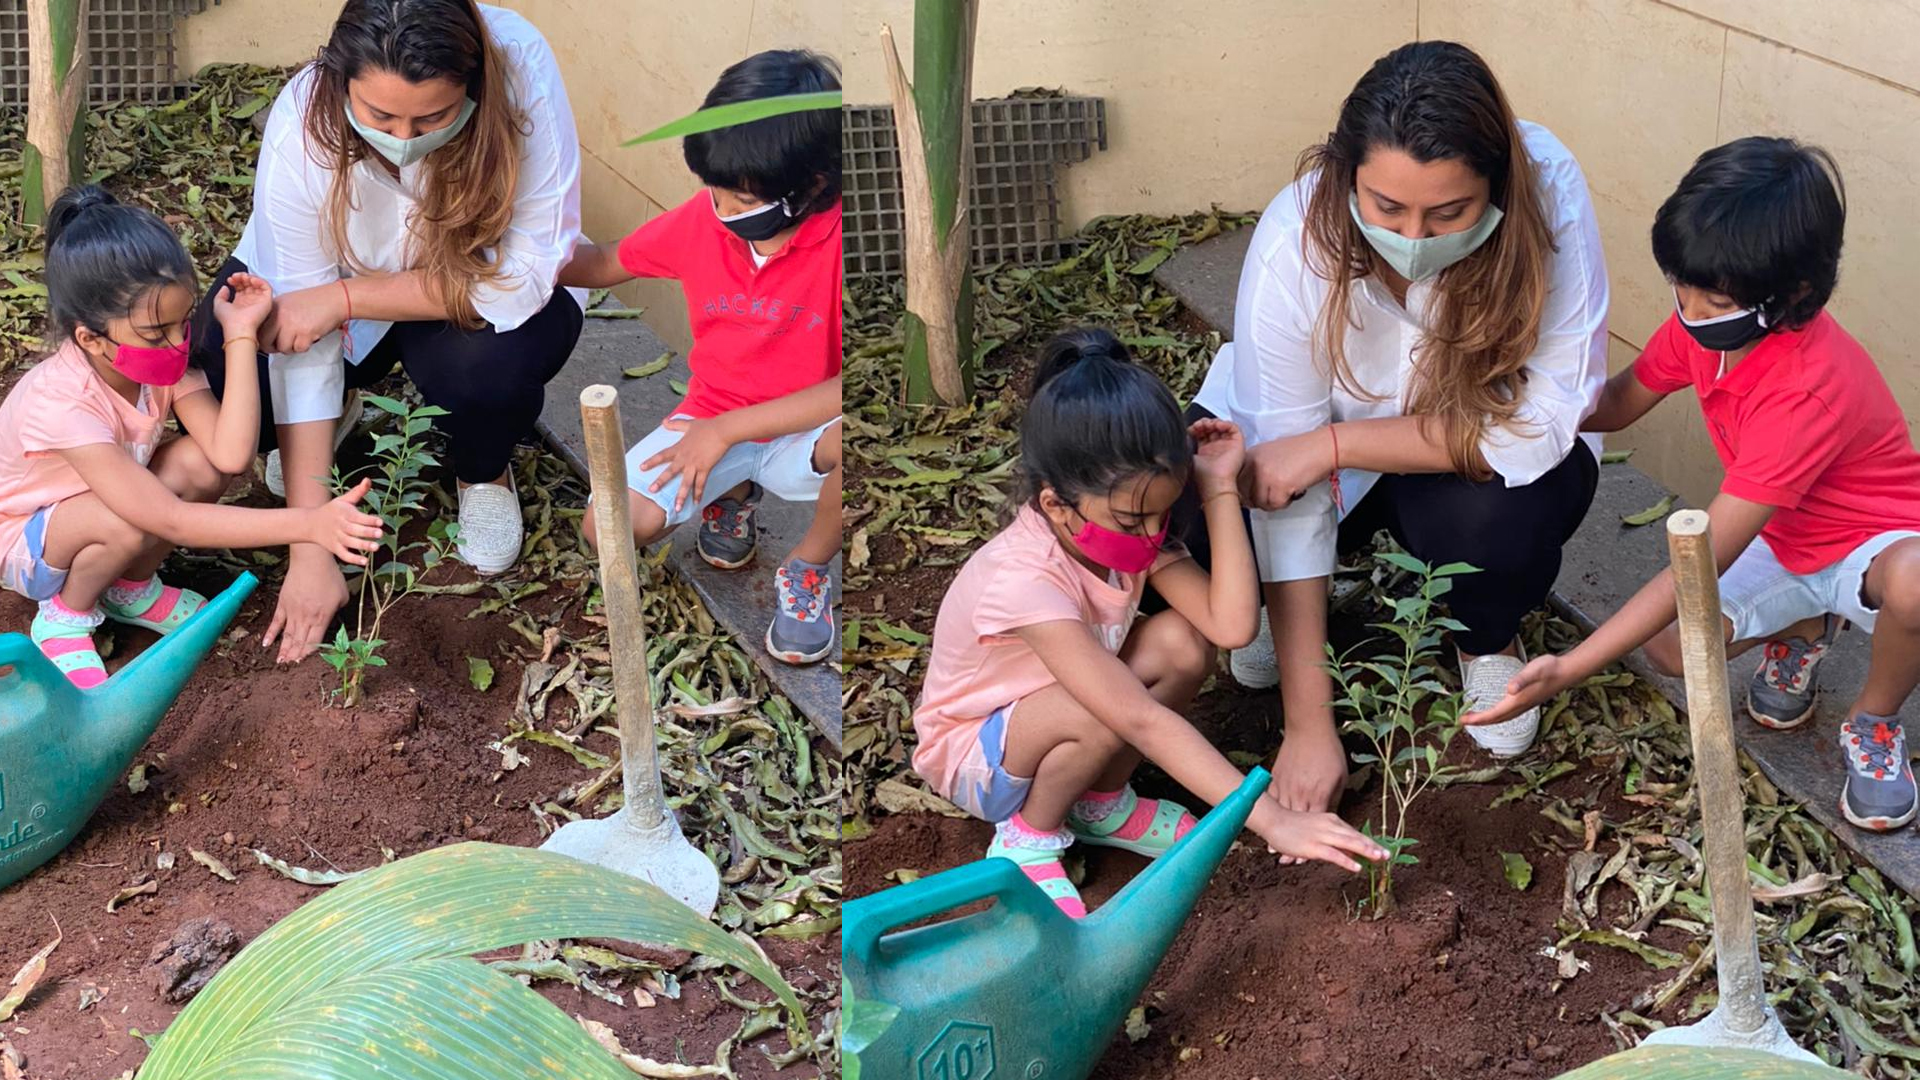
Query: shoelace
x=802, y=599
x=1881, y=752
x=730, y=520
x=1787, y=663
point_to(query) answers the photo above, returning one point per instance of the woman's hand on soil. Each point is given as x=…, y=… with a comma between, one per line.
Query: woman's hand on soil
x=303, y=317
x=1281, y=470
x=341, y=528
x=1298, y=837
x=313, y=592
x=1309, y=774
x=243, y=305
x=1219, y=451
x=702, y=444
x=1540, y=680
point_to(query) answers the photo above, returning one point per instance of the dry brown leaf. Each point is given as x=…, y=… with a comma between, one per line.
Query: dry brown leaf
x=1806, y=886
x=642, y=1066
x=728, y=707
x=131, y=891
x=219, y=868
x=29, y=976
x=896, y=796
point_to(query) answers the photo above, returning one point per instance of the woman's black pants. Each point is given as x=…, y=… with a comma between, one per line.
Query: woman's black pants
x=1513, y=534
x=492, y=385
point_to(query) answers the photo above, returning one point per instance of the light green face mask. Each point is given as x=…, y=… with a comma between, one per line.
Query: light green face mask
x=1418, y=260
x=404, y=152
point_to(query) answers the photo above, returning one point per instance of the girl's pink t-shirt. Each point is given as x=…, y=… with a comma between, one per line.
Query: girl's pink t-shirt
x=1022, y=577
x=62, y=404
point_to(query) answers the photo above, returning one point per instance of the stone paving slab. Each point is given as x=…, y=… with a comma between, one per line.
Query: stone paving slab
x=1606, y=562
x=741, y=601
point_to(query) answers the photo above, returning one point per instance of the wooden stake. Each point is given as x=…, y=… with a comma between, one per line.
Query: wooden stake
x=620, y=586
x=1716, y=772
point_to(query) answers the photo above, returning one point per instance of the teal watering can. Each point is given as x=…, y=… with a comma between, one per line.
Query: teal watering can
x=62, y=747
x=980, y=997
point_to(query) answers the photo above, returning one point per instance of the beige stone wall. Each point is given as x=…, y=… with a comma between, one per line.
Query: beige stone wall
x=1210, y=101
x=629, y=65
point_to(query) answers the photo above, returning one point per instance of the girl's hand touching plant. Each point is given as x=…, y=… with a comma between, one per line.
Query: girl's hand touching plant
x=1321, y=836
x=1219, y=451
x=340, y=527
x=243, y=305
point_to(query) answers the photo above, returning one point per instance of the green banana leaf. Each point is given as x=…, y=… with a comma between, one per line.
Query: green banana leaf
x=740, y=112
x=1700, y=1063
x=380, y=970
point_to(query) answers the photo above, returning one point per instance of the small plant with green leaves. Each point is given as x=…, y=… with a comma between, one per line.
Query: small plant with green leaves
x=862, y=1022
x=1397, y=701
x=400, y=460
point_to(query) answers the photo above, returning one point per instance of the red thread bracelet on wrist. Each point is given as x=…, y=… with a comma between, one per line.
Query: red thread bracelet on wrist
x=1333, y=478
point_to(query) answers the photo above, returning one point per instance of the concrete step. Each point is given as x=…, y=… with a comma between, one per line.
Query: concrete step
x=1606, y=563
x=741, y=601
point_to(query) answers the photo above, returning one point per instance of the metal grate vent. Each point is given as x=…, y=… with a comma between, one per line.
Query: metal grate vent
x=130, y=43
x=1020, y=143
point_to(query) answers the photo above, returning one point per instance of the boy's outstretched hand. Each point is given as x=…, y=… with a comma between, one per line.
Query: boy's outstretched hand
x=1218, y=452
x=1312, y=836
x=243, y=305
x=1541, y=679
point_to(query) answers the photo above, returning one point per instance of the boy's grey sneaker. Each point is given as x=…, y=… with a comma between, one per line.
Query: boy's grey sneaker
x=1783, y=689
x=727, y=537
x=802, y=627
x=1879, y=792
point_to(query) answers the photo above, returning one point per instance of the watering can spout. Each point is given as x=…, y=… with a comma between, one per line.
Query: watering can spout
x=126, y=708
x=62, y=748
x=1155, y=904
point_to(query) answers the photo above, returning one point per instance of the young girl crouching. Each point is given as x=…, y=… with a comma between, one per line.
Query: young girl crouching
x=1045, y=691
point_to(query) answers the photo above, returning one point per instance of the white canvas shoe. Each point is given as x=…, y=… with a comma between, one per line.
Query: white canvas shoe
x=1253, y=665
x=276, y=476
x=1484, y=681
x=491, y=529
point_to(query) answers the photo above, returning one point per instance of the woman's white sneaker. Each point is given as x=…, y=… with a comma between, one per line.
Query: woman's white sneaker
x=1484, y=681
x=275, y=473
x=1253, y=665
x=491, y=530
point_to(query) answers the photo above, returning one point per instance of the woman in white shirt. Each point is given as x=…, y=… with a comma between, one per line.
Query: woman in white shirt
x=1422, y=318
x=418, y=192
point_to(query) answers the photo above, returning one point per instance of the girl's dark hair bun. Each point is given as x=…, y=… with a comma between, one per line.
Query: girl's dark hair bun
x=72, y=203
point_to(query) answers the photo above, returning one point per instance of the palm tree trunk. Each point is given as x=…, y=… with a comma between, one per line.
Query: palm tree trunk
x=933, y=115
x=55, y=154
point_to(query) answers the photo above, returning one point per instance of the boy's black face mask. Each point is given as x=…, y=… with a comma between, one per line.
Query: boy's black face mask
x=760, y=223
x=1725, y=333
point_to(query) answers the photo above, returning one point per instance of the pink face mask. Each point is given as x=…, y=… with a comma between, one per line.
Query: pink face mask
x=1125, y=552
x=151, y=365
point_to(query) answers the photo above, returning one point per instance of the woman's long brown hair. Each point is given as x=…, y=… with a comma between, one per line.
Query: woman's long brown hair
x=1435, y=101
x=470, y=183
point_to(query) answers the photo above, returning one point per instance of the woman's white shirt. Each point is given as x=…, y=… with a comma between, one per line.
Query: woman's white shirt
x=1268, y=381
x=286, y=243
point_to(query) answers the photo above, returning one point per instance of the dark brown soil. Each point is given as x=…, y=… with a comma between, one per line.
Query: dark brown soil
x=254, y=758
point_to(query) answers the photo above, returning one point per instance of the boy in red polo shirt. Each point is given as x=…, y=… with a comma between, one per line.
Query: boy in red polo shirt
x=758, y=256
x=1820, y=469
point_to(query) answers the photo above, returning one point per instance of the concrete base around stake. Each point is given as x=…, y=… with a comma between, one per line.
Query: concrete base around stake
x=659, y=855
x=1712, y=1030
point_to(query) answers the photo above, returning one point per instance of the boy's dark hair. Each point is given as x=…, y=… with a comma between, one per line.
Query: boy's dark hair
x=1761, y=220
x=780, y=156
x=103, y=256
x=1095, y=420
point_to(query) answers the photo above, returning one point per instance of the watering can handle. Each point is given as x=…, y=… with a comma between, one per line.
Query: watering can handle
x=870, y=917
